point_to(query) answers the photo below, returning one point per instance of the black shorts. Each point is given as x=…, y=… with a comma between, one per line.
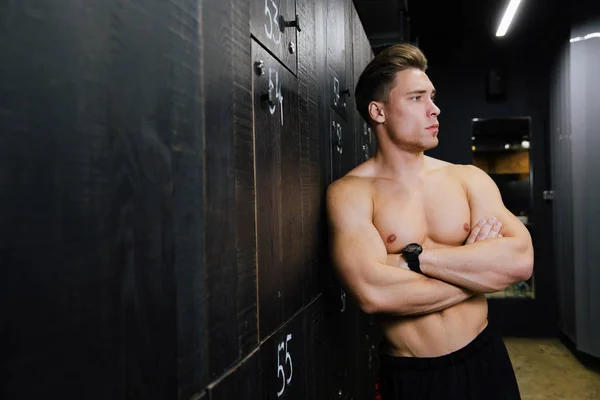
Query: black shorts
x=479, y=371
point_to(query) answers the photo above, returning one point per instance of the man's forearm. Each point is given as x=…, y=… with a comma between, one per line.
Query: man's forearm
x=403, y=292
x=483, y=267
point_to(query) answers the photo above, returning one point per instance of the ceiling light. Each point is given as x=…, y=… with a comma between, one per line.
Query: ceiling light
x=508, y=17
x=586, y=37
x=507, y=146
x=525, y=144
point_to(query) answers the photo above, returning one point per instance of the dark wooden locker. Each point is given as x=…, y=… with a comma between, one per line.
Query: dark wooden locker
x=243, y=381
x=102, y=208
x=274, y=24
x=317, y=349
x=338, y=68
x=244, y=179
x=278, y=193
x=284, y=363
x=311, y=166
x=220, y=207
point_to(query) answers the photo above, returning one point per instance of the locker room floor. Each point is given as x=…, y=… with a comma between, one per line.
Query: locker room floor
x=547, y=370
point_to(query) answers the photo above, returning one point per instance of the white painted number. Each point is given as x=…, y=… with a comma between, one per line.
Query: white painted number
x=272, y=18
x=280, y=370
x=336, y=91
x=278, y=96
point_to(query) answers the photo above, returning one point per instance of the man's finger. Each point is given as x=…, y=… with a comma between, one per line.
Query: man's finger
x=495, y=231
x=475, y=231
x=485, y=229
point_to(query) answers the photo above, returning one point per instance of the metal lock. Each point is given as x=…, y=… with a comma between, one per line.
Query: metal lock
x=290, y=24
x=338, y=137
x=260, y=67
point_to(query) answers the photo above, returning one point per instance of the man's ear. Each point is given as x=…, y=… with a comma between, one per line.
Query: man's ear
x=376, y=112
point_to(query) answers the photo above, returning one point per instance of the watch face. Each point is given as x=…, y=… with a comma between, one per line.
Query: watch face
x=413, y=248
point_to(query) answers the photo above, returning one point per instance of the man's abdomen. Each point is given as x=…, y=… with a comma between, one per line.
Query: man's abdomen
x=435, y=334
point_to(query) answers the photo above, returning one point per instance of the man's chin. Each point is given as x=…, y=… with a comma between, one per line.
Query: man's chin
x=432, y=144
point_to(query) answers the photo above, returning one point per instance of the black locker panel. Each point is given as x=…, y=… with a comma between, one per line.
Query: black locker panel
x=229, y=201
x=342, y=147
x=311, y=166
x=292, y=359
x=338, y=88
x=290, y=363
x=220, y=261
x=101, y=205
x=244, y=180
x=241, y=382
x=284, y=363
x=274, y=23
x=278, y=192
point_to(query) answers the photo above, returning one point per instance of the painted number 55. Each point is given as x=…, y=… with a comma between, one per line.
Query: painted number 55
x=280, y=370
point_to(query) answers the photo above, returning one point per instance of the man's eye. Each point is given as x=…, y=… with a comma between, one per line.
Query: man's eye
x=417, y=98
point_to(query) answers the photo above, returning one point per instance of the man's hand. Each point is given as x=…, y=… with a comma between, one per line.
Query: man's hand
x=487, y=228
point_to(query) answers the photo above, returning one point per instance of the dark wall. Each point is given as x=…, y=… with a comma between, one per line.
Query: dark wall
x=522, y=89
x=575, y=146
x=462, y=96
x=162, y=183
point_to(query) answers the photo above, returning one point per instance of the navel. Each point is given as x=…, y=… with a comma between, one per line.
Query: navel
x=466, y=227
x=391, y=239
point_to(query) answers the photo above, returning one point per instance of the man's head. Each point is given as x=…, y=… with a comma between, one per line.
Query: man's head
x=394, y=92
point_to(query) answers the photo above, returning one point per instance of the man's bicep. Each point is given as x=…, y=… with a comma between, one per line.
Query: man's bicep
x=355, y=243
x=485, y=201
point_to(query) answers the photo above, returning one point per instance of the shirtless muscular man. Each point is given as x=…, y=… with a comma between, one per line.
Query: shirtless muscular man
x=400, y=227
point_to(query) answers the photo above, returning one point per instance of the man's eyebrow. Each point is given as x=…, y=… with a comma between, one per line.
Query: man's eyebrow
x=421, y=92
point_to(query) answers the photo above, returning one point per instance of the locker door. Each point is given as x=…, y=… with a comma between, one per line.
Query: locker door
x=279, y=241
x=338, y=82
x=275, y=24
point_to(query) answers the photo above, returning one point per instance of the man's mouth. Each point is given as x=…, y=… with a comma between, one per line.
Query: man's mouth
x=433, y=127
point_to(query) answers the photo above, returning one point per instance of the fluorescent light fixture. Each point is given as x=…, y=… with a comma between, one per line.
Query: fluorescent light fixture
x=586, y=37
x=508, y=17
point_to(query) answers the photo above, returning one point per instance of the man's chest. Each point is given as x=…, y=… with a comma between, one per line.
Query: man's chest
x=433, y=215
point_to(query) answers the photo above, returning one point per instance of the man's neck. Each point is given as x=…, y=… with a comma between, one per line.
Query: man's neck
x=399, y=164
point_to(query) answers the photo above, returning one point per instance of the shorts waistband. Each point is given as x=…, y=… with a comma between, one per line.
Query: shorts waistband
x=426, y=363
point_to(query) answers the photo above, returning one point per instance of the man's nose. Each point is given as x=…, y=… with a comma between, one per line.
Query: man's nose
x=435, y=110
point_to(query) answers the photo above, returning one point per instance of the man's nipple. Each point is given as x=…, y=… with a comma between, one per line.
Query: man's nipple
x=391, y=239
x=466, y=227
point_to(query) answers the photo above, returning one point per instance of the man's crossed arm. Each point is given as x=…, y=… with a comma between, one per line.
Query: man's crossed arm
x=362, y=263
x=482, y=266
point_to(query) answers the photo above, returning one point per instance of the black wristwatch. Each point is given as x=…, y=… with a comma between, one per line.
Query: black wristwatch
x=411, y=255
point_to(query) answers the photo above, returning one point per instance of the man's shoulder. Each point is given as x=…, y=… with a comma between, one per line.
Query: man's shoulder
x=349, y=184
x=463, y=172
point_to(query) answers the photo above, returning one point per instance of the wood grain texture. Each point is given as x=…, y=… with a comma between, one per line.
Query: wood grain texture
x=220, y=206
x=243, y=381
x=311, y=165
x=95, y=193
x=244, y=177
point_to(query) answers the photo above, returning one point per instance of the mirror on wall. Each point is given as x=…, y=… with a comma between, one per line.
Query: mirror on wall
x=501, y=148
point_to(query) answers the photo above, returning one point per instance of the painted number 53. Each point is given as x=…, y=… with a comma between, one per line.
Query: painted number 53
x=272, y=19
